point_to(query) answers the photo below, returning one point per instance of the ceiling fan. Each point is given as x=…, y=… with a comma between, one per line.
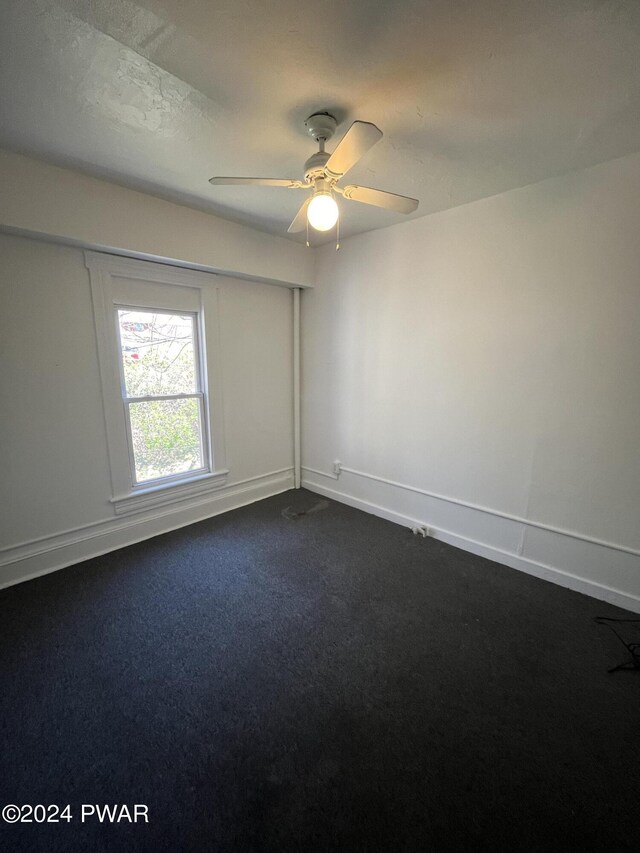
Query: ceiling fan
x=322, y=172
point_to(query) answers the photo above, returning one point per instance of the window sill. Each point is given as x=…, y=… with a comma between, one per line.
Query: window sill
x=168, y=493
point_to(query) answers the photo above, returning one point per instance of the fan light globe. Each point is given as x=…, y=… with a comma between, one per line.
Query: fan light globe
x=322, y=212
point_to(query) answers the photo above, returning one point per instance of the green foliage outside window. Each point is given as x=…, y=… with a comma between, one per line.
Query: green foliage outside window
x=158, y=359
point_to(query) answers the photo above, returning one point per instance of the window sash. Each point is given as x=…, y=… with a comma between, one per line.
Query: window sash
x=197, y=350
x=199, y=394
x=170, y=478
x=151, y=397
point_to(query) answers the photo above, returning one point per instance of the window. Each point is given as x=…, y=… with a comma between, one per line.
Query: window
x=162, y=393
x=156, y=331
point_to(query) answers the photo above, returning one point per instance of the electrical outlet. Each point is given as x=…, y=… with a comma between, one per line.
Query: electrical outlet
x=337, y=468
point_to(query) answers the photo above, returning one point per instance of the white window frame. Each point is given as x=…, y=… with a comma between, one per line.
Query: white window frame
x=118, y=283
x=200, y=394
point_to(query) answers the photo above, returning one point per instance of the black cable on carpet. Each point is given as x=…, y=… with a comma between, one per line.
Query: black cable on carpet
x=631, y=642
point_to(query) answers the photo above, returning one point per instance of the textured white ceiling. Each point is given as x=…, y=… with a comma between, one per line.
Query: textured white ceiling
x=474, y=96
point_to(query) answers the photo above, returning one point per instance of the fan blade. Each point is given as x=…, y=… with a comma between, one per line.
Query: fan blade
x=360, y=137
x=300, y=219
x=263, y=182
x=379, y=198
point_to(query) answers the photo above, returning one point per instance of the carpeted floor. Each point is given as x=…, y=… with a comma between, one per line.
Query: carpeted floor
x=267, y=681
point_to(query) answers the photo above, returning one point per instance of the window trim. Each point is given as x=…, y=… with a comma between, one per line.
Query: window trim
x=105, y=271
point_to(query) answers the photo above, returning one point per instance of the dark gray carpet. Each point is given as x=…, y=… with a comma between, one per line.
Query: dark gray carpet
x=269, y=682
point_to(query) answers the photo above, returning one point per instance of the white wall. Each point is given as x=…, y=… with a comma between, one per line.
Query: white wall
x=487, y=358
x=37, y=198
x=55, y=485
x=491, y=354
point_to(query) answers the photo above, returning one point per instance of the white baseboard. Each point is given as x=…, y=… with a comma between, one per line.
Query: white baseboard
x=621, y=598
x=39, y=557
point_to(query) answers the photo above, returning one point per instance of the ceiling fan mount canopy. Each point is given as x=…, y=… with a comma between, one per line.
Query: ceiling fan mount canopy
x=321, y=126
x=322, y=172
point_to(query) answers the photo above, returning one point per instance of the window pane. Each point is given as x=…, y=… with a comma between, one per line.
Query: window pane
x=166, y=437
x=158, y=353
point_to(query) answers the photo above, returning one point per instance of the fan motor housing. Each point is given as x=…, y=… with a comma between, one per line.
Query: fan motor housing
x=314, y=167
